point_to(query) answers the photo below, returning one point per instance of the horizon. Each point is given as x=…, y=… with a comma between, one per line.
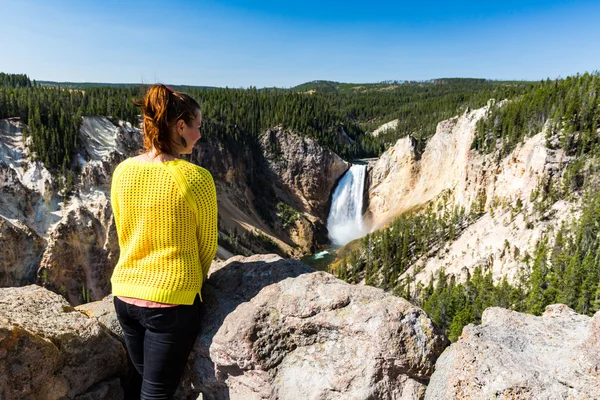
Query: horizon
x=385, y=82
x=238, y=44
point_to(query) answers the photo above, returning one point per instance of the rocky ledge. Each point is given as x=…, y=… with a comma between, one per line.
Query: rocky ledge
x=275, y=329
x=520, y=356
x=272, y=329
x=49, y=350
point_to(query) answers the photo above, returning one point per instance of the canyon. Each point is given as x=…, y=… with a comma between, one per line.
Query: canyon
x=274, y=323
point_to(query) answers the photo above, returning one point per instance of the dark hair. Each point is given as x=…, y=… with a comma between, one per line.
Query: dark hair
x=162, y=108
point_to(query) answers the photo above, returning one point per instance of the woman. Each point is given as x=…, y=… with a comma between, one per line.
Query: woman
x=165, y=211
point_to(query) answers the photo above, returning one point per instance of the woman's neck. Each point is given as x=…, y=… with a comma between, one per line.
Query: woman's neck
x=154, y=156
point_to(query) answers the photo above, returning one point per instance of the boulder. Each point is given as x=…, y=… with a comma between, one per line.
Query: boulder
x=49, y=350
x=275, y=329
x=519, y=356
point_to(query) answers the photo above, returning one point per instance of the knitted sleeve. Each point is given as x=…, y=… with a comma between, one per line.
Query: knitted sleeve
x=114, y=200
x=205, y=194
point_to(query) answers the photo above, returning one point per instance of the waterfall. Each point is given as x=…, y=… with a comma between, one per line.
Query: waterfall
x=345, y=216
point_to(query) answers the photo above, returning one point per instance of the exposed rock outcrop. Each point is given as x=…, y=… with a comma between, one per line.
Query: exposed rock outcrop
x=21, y=249
x=304, y=172
x=312, y=336
x=14, y=153
x=104, y=144
x=237, y=171
x=82, y=252
x=26, y=207
x=82, y=247
x=521, y=356
x=388, y=126
x=399, y=182
x=70, y=244
x=252, y=178
x=392, y=177
x=452, y=174
x=50, y=351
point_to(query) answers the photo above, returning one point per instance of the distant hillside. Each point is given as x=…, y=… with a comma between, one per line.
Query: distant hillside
x=88, y=85
x=338, y=87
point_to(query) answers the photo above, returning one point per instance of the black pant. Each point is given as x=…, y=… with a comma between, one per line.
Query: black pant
x=159, y=341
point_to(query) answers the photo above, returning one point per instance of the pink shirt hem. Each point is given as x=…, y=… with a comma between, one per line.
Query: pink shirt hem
x=145, y=303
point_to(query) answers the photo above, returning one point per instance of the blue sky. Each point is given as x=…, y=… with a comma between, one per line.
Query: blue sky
x=277, y=43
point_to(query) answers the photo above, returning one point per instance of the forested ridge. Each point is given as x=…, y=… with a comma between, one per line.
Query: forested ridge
x=565, y=270
x=568, y=106
x=53, y=113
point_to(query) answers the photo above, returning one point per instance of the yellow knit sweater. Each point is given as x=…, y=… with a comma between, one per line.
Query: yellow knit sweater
x=166, y=220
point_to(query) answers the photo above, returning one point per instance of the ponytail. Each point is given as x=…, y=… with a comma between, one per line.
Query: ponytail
x=162, y=108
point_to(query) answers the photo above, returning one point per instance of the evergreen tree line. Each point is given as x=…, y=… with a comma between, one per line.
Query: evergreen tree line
x=383, y=256
x=418, y=106
x=233, y=114
x=566, y=271
x=53, y=114
x=14, y=80
x=569, y=106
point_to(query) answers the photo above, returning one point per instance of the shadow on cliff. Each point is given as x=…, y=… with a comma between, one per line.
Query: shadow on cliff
x=226, y=288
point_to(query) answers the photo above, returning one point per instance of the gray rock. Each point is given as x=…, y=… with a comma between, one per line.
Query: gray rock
x=303, y=172
x=515, y=355
x=48, y=350
x=275, y=329
x=104, y=312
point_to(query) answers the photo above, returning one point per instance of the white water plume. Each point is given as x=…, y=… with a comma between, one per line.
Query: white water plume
x=345, y=216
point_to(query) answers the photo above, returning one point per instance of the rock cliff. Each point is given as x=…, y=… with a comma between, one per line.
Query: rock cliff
x=21, y=250
x=64, y=241
x=304, y=172
x=245, y=195
x=451, y=174
x=303, y=176
x=27, y=207
x=82, y=252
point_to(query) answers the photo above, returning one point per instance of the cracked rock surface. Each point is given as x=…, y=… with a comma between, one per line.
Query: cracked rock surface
x=49, y=350
x=279, y=330
x=520, y=356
